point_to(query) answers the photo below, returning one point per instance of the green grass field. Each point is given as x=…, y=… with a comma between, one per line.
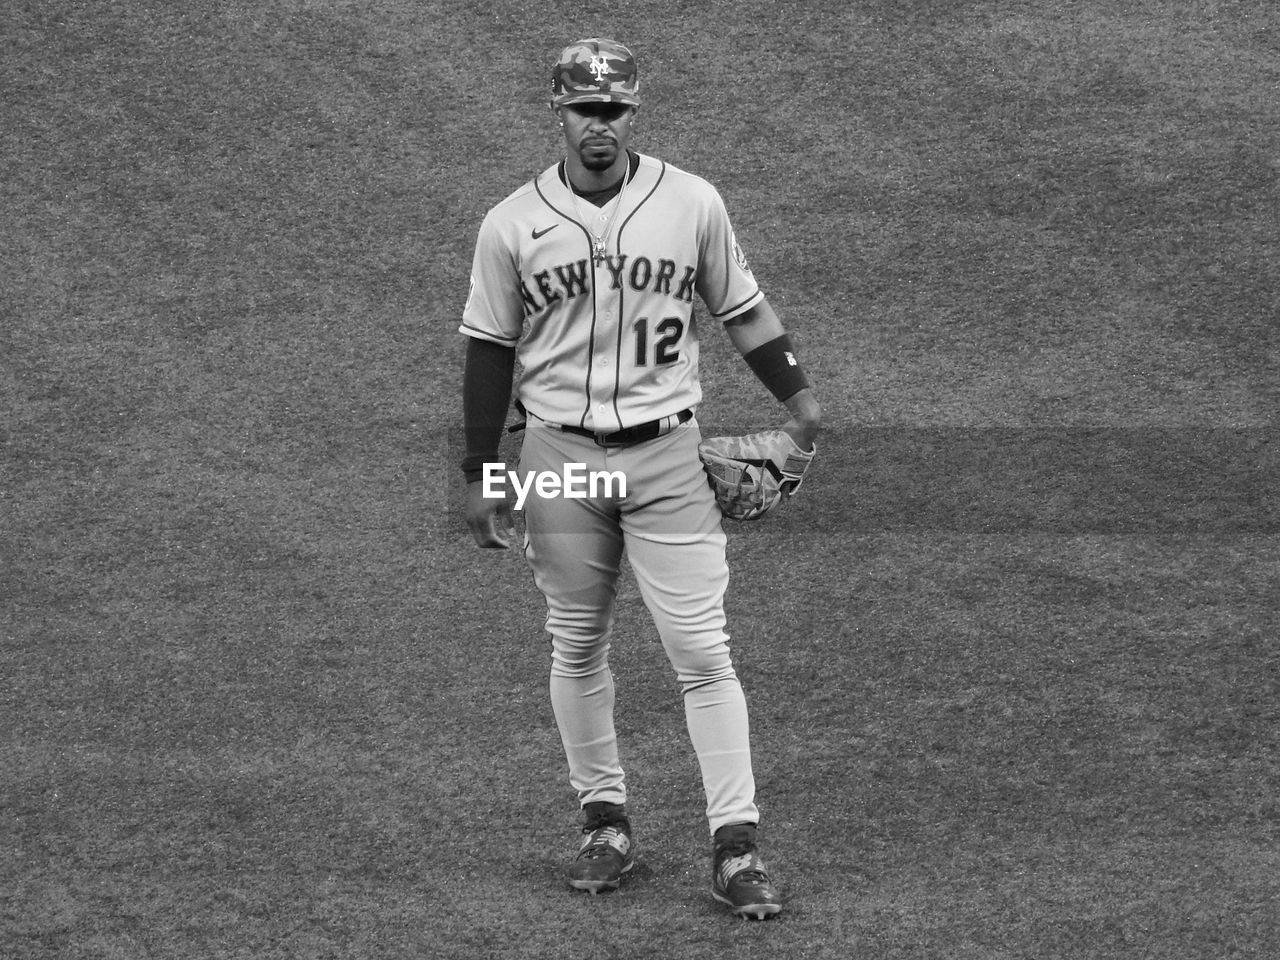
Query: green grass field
x=1011, y=655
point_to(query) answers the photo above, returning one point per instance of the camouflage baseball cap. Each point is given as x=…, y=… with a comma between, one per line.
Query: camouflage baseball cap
x=595, y=70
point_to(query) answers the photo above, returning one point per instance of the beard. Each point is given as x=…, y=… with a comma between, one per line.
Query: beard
x=598, y=155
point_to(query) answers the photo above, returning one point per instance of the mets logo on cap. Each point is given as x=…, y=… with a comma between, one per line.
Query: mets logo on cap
x=595, y=70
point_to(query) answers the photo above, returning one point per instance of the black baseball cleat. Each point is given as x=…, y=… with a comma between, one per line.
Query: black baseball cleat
x=606, y=851
x=738, y=875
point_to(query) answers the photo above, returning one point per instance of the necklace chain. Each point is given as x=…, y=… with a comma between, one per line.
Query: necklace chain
x=600, y=244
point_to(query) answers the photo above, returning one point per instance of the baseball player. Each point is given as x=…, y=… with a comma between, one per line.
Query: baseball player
x=587, y=275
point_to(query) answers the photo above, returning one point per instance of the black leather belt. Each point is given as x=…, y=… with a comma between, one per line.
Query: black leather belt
x=637, y=434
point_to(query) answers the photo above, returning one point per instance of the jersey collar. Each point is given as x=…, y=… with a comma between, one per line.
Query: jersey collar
x=601, y=197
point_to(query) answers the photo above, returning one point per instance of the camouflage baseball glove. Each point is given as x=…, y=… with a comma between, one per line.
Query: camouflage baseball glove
x=751, y=475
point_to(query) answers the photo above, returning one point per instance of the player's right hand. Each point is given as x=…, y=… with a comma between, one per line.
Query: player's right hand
x=489, y=518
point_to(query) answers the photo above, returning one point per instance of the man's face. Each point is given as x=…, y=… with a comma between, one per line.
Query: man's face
x=597, y=132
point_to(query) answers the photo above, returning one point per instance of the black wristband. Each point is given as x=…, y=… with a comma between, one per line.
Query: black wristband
x=776, y=366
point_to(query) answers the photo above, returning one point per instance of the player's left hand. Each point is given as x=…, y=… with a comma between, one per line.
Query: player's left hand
x=489, y=518
x=806, y=419
x=752, y=474
x=802, y=435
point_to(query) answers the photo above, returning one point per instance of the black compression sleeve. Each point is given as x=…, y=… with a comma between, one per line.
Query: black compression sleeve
x=486, y=392
x=775, y=364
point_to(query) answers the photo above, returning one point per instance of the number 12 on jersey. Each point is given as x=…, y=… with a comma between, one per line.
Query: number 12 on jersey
x=670, y=331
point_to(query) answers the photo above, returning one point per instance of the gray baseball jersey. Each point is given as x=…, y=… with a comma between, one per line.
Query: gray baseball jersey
x=600, y=301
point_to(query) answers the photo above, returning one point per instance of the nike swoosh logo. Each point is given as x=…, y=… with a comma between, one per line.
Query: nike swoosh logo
x=539, y=234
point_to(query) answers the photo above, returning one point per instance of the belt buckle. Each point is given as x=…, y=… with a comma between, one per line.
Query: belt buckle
x=603, y=439
x=639, y=433
x=621, y=438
